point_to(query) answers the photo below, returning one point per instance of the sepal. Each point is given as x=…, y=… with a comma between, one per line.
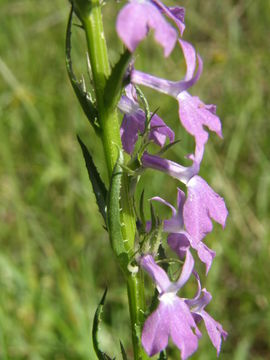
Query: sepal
x=142, y=215
x=153, y=236
x=167, y=147
x=148, y=115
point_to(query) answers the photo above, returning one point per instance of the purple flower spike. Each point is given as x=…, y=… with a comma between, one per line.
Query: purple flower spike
x=172, y=318
x=214, y=329
x=202, y=205
x=135, y=20
x=182, y=173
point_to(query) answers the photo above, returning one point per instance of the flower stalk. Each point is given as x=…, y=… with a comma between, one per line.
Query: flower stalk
x=110, y=136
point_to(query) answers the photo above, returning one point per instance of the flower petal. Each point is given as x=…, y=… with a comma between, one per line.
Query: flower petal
x=186, y=270
x=172, y=88
x=176, y=13
x=164, y=202
x=130, y=127
x=214, y=330
x=155, y=334
x=175, y=223
x=182, y=323
x=134, y=21
x=182, y=173
x=194, y=115
x=179, y=243
x=134, y=123
x=159, y=276
x=160, y=131
x=202, y=205
x=190, y=58
x=206, y=255
x=127, y=105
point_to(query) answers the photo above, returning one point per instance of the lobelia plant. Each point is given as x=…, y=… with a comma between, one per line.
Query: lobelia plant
x=136, y=242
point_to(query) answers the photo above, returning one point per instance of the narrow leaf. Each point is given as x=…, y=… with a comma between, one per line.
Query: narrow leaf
x=148, y=115
x=83, y=96
x=167, y=147
x=99, y=188
x=154, y=221
x=115, y=82
x=95, y=329
x=113, y=215
x=123, y=352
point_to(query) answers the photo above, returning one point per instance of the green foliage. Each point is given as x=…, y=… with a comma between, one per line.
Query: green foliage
x=95, y=330
x=116, y=80
x=55, y=258
x=86, y=101
x=98, y=186
x=162, y=356
x=123, y=351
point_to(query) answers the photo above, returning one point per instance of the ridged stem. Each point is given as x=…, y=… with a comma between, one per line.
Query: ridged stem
x=110, y=135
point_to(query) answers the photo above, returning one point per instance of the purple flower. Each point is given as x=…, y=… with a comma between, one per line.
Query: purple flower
x=138, y=17
x=134, y=123
x=193, y=113
x=172, y=318
x=197, y=305
x=202, y=203
x=179, y=239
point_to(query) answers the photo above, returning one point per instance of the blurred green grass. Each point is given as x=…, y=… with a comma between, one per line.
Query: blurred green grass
x=55, y=259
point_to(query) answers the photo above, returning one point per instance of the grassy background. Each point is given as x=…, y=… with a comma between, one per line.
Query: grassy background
x=55, y=259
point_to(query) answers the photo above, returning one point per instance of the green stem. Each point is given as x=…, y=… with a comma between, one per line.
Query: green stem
x=100, y=70
x=110, y=135
x=135, y=289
